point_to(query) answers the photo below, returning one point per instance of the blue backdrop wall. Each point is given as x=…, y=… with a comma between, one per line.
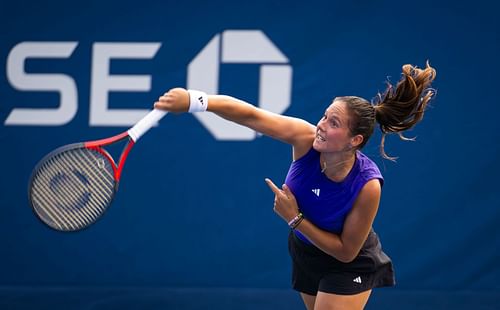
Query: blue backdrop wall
x=193, y=209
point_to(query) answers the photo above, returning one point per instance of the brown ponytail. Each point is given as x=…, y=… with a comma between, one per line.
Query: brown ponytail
x=400, y=108
x=396, y=110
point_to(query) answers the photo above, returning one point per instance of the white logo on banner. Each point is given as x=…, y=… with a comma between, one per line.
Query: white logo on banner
x=61, y=83
x=229, y=47
x=102, y=82
x=241, y=46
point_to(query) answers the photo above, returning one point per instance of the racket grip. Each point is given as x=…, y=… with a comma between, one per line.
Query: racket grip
x=146, y=123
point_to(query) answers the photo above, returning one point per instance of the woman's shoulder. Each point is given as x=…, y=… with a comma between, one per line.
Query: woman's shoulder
x=306, y=154
x=304, y=144
x=368, y=169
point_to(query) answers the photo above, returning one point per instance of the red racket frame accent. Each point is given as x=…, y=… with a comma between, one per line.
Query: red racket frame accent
x=98, y=144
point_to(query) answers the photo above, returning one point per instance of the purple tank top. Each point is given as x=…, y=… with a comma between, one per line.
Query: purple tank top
x=322, y=201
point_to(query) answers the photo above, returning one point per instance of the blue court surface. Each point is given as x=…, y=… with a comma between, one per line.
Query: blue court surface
x=225, y=298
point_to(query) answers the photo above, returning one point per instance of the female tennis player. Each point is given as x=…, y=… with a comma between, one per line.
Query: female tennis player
x=332, y=191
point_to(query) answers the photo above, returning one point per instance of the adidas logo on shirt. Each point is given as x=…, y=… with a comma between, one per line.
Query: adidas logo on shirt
x=357, y=280
x=316, y=191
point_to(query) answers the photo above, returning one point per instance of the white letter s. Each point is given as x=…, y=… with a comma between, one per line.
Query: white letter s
x=61, y=83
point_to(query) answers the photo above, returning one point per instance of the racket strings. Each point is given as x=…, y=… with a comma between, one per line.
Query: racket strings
x=73, y=188
x=69, y=194
x=50, y=195
x=67, y=187
x=58, y=193
x=99, y=182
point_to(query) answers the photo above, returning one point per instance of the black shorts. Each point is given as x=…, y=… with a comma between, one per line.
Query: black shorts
x=314, y=270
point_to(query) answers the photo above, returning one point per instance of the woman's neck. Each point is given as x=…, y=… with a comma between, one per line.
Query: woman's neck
x=336, y=166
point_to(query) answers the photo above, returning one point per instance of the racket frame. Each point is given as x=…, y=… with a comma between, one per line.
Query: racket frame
x=133, y=134
x=66, y=148
x=97, y=145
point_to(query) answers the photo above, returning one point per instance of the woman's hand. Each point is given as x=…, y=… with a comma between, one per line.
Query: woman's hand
x=175, y=100
x=285, y=204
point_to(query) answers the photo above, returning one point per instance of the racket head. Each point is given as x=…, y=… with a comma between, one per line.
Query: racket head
x=72, y=187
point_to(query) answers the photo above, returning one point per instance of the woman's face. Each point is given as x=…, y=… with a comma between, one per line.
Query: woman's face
x=332, y=130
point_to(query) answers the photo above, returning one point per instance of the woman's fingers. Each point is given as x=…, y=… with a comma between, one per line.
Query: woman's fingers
x=272, y=186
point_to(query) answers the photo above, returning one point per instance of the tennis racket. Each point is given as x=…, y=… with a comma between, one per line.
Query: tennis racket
x=72, y=186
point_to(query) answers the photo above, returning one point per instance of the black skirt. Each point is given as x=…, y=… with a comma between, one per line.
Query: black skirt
x=314, y=270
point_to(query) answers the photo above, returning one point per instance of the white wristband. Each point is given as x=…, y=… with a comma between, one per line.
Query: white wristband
x=198, y=101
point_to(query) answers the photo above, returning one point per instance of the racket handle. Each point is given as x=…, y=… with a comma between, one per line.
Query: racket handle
x=146, y=123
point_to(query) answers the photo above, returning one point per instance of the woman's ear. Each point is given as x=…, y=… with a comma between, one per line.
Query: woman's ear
x=356, y=141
